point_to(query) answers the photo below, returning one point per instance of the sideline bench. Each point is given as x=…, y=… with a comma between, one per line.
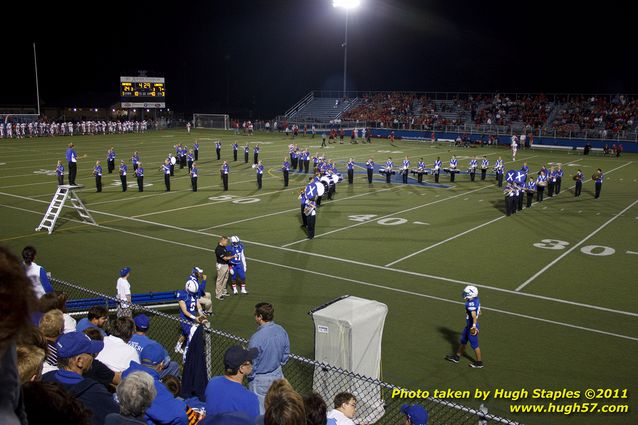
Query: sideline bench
x=147, y=299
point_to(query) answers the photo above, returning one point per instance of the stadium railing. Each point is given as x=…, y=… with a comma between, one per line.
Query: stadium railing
x=375, y=404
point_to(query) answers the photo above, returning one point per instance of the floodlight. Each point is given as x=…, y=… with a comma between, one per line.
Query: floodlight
x=346, y=4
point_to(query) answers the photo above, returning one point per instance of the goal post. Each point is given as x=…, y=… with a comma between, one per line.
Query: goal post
x=212, y=121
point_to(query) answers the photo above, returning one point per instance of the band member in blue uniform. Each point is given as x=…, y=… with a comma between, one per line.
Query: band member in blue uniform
x=405, y=169
x=225, y=168
x=110, y=160
x=471, y=330
x=139, y=173
x=184, y=161
x=194, y=174
x=510, y=198
x=498, y=169
x=59, y=171
x=551, y=182
x=598, y=177
x=285, y=170
x=388, y=170
x=306, y=161
x=294, y=158
x=135, y=159
x=123, y=172
x=246, y=151
x=420, y=170
x=166, y=169
x=369, y=169
x=485, y=163
x=472, y=168
x=302, y=199
x=559, y=178
x=438, y=164
x=196, y=150
x=260, y=173
x=541, y=184
x=97, y=172
x=72, y=159
x=350, y=168
x=310, y=211
x=453, y=166
x=300, y=159
x=171, y=164
x=578, y=178
x=520, y=180
x=178, y=155
x=530, y=188
x=256, y=150
x=218, y=149
x=235, y=149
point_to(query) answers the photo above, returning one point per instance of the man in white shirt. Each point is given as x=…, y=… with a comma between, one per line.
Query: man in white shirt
x=345, y=408
x=117, y=355
x=124, y=294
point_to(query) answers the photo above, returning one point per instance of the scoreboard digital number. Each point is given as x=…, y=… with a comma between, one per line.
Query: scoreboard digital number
x=142, y=92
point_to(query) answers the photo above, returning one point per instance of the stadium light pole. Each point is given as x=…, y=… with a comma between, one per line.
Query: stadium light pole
x=37, y=86
x=348, y=5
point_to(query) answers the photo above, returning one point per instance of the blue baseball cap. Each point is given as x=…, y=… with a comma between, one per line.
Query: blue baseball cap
x=125, y=271
x=236, y=355
x=153, y=354
x=74, y=343
x=141, y=321
x=415, y=413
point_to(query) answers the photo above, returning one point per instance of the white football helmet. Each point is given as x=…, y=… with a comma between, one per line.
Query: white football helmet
x=470, y=292
x=234, y=240
x=192, y=286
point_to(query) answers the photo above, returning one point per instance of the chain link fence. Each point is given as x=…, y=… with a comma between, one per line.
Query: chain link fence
x=375, y=404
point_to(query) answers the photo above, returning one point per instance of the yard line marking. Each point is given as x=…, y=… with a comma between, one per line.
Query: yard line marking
x=444, y=241
x=288, y=210
x=387, y=215
x=360, y=282
x=632, y=252
x=345, y=260
x=544, y=269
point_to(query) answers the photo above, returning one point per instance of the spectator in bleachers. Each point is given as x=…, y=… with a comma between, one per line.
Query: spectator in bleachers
x=136, y=394
x=226, y=393
x=273, y=346
x=139, y=340
x=50, y=403
x=57, y=300
x=286, y=408
x=51, y=325
x=99, y=371
x=316, y=410
x=415, y=414
x=345, y=407
x=117, y=354
x=165, y=409
x=30, y=362
x=75, y=356
x=96, y=318
x=36, y=273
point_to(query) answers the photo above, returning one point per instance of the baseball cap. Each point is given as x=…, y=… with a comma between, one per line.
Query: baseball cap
x=416, y=413
x=153, y=354
x=141, y=321
x=74, y=343
x=236, y=355
x=125, y=271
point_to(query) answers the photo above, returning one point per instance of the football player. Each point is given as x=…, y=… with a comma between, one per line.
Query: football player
x=471, y=330
x=237, y=265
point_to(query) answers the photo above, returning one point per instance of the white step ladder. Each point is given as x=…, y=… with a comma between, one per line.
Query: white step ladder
x=63, y=193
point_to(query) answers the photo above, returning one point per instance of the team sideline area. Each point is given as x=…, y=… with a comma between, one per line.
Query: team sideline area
x=556, y=281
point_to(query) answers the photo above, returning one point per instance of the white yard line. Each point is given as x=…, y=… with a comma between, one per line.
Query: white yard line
x=355, y=281
x=547, y=267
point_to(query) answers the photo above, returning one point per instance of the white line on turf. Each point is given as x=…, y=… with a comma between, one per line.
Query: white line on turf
x=360, y=282
x=444, y=241
x=544, y=269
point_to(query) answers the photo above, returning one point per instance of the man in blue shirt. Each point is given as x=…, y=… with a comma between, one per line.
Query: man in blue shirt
x=140, y=340
x=75, y=357
x=96, y=318
x=165, y=408
x=274, y=349
x=72, y=159
x=471, y=330
x=226, y=393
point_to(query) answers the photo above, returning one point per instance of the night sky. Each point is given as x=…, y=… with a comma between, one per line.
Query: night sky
x=256, y=58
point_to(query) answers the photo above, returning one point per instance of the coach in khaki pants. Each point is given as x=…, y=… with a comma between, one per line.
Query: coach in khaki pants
x=222, y=257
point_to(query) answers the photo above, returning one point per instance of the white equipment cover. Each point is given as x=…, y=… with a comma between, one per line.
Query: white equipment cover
x=348, y=335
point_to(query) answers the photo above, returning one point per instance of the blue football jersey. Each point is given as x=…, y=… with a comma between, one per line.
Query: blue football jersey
x=472, y=305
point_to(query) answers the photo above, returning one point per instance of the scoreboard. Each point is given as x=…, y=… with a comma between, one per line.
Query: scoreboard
x=142, y=92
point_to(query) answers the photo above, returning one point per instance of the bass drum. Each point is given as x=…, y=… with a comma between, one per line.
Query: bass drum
x=173, y=160
x=320, y=189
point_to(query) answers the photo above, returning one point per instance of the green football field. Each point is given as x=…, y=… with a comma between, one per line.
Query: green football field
x=557, y=282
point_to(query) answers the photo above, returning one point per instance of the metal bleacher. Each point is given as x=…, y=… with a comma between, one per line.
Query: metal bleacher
x=321, y=109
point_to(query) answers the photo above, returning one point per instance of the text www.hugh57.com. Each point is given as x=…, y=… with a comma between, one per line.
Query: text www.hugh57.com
x=568, y=409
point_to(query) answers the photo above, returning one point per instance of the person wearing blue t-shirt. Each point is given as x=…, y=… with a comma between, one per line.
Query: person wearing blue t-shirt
x=97, y=317
x=227, y=393
x=140, y=340
x=471, y=330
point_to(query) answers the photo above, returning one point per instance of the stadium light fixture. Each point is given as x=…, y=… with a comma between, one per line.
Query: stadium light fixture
x=348, y=5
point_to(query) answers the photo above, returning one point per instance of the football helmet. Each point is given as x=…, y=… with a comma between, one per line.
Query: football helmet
x=192, y=286
x=234, y=240
x=470, y=292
